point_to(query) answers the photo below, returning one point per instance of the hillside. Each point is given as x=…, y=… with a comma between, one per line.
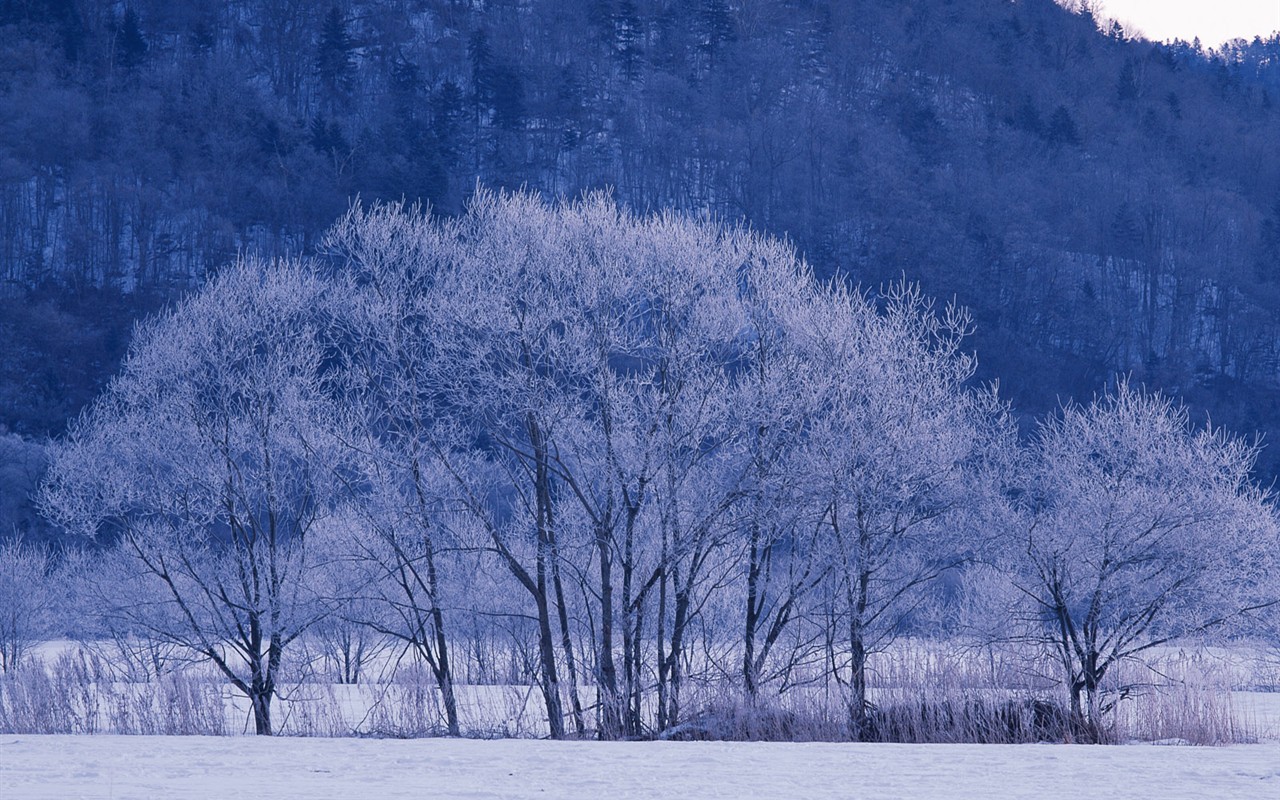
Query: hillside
x=1102, y=204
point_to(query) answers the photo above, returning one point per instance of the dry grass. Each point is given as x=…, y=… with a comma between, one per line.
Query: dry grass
x=76, y=693
x=919, y=692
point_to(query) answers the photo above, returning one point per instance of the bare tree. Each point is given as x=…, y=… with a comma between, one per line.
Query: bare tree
x=408, y=464
x=459, y=350
x=563, y=373
x=209, y=458
x=891, y=459
x=777, y=401
x=635, y=414
x=1134, y=530
x=347, y=640
x=26, y=597
x=115, y=608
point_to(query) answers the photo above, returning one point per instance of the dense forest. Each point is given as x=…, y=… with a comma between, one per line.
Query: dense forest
x=1102, y=204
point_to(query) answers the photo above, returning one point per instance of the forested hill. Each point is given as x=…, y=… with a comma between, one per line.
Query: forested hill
x=1102, y=204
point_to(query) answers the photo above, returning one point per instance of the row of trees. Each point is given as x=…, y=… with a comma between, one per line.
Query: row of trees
x=644, y=447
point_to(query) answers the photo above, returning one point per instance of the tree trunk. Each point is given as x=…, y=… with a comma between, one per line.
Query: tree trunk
x=444, y=673
x=662, y=722
x=546, y=641
x=675, y=676
x=547, y=657
x=858, y=718
x=755, y=603
x=261, y=688
x=566, y=640
x=261, y=712
x=442, y=666
x=610, y=713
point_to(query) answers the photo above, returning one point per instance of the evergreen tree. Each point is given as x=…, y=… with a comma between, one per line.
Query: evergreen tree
x=1126, y=232
x=1127, y=83
x=201, y=37
x=1062, y=128
x=327, y=137
x=716, y=25
x=570, y=104
x=59, y=19
x=333, y=55
x=508, y=98
x=406, y=79
x=482, y=78
x=1267, y=264
x=447, y=109
x=1027, y=117
x=628, y=38
x=131, y=47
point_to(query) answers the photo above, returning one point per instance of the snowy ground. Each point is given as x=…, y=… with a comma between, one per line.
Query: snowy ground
x=118, y=767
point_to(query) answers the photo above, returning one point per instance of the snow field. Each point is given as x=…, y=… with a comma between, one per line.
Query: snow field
x=224, y=768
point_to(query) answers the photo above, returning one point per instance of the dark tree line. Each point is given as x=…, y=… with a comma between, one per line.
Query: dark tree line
x=1102, y=204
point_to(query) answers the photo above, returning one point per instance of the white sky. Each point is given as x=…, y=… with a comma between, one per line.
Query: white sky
x=1214, y=21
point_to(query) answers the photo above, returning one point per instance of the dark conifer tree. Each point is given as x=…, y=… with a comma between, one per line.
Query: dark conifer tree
x=1027, y=117
x=333, y=56
x=1127, y=83
x=201, y=37
x=508, y=98
x=1267, y=263
x=447, y=114
x=1062, y=129
x=629, y=40
x=570, y=103
x=716, y=20
x=131, y=46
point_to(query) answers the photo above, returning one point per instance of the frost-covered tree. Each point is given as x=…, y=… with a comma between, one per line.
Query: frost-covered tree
x=564, y=373
x=775, y=402
x=892, y=460
x=1134, y=530
x=640, y=419
x=22, y=463
x=26, y=599
x=346, y=642
x=118, y=610
x=668, y=453
x=207, y=461
x=408, y=464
